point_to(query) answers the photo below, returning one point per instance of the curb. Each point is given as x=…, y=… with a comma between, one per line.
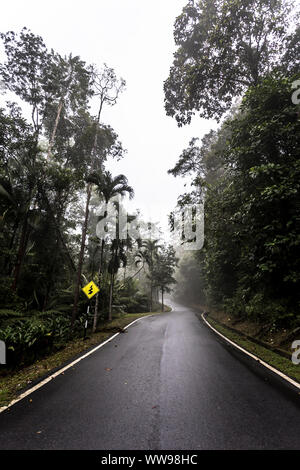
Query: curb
x=257, y=359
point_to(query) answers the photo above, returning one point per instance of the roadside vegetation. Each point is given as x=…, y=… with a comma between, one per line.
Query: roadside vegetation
x=54, y=187
x=15, y=380
x=238, y=62
x=283, y=364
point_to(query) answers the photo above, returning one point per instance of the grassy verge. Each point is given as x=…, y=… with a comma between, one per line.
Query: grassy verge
x=270, y=357
x=12, y=384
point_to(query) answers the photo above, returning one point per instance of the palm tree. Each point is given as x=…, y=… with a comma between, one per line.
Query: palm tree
x=108, y=187
x=107, y=88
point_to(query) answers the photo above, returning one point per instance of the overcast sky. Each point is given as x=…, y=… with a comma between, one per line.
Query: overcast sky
x=135, y=37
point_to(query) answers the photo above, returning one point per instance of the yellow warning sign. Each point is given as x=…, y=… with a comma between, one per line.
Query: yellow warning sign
x=90, y=289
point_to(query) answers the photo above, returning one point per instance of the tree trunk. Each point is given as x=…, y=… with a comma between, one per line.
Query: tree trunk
x=97, y=295
x=7, y=267
x=103, y=98
x=21, y=253
x=53, y=135
x=85, y=224
x=162, y=300
x=81, y=255
x=59, y=234
x=110, y=297
x=151, y=295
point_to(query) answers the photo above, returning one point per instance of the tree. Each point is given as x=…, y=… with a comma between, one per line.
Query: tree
x=118, y=256
x=250, y=260
x=224, y=47
x=264, y=150
x=44, y=167
x=149, y=251
x=25, y=71
x=54, y=87
x=107, y=88
x=163, y=269
x=17, y=186
x=290, y=62
x=67, y=84
x=205, y=162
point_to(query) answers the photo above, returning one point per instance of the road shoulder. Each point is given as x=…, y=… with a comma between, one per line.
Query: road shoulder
x=282, y=367
x=20, y=382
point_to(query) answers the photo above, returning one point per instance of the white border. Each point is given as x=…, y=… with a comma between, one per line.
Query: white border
x=276, y=371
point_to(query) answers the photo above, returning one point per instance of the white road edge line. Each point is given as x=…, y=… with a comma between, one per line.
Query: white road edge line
x=265, y=364
x=60, y=371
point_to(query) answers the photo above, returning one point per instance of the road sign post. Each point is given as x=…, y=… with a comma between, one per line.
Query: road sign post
x=86, y=322
x=90, y=290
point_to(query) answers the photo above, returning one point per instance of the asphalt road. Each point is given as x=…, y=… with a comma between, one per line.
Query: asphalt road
x=171, y=385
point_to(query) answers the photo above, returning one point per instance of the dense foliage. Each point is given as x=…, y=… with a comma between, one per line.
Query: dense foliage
x=223, y=47
x=247, y=172
x=53, y=154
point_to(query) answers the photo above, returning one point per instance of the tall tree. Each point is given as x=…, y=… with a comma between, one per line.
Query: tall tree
x=67, y=85
x=23, y=73
x=224, y=47
x=162, y=270
x=250, y=260
x=107, y=88
x=150, y=249
x=25, y=70
x=108, y=188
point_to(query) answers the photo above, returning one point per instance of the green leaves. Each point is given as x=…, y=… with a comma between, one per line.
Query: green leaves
x=163, y=267
x=223, y=48
x=29, y=338
x=251, y=253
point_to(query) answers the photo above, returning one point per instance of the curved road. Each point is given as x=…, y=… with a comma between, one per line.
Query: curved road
x=171, y=385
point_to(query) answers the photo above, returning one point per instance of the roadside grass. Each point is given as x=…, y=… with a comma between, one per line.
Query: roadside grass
x=270, y=357
x=15, y=382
